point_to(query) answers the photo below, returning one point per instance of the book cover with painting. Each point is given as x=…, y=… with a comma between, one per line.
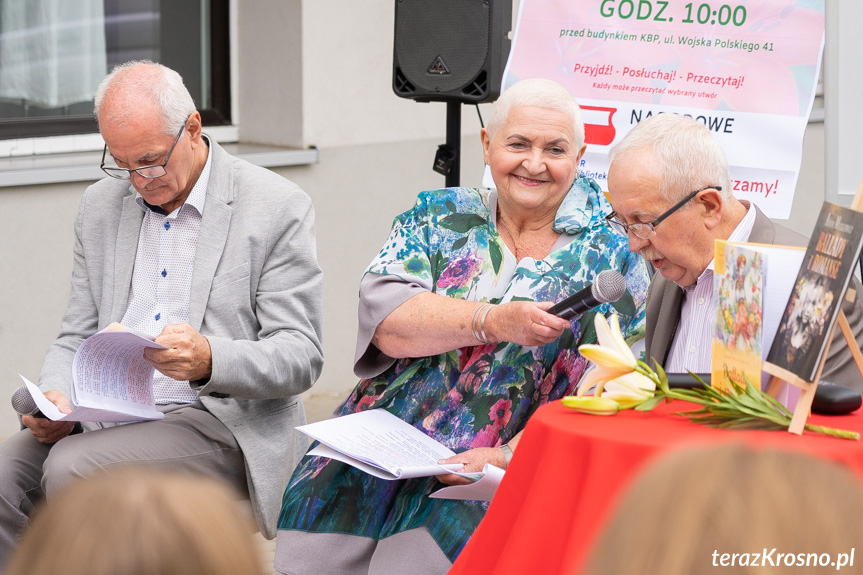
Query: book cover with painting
x=821, y=283
x=738, y=287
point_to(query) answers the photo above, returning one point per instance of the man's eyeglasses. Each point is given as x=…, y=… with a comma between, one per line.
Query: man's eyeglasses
x=149, y=172
x=646, y=230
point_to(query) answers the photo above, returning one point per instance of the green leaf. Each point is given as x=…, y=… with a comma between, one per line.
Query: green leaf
x=438, y=263
x=781, y=408
x=392, y=388
x=625, y=269
x=567, y=340
x=496, y=254
x=459, y=243
x=452, y=359
x=480, y=407
x=649, y=404
x=625, y=305
x=663, y=379
x=588, y=331
x=750, y=402
x=404, y=376
x=529, y=383
x=450, y=206
x=461, y=222
x=698, y=379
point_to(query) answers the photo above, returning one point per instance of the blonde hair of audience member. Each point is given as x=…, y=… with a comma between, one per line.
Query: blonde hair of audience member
x=731, y=499
x=136, y=521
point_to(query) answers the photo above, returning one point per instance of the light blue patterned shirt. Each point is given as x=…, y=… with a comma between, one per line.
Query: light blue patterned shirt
x=162, y=280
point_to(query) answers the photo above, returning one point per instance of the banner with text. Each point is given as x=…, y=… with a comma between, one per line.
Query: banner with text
x=747, y=70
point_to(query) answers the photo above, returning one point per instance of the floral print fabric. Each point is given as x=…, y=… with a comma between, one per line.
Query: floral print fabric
x=478, y=396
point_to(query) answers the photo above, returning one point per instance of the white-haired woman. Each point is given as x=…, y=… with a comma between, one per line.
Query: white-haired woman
x=454, y=338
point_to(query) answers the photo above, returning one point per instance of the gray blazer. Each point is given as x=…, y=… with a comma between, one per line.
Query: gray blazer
x=665, y=299
x=255, y=295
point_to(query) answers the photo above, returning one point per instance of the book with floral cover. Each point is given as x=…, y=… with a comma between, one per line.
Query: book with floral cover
x=752, y=282
x=738, y=288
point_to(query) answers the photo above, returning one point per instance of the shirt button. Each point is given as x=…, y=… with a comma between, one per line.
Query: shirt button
x=158, y=315
x=691, y=349
x=701, y=301
x=167, y=225
x=164, y=273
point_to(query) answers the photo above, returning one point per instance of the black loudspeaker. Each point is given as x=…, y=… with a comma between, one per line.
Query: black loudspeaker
x=451, y=50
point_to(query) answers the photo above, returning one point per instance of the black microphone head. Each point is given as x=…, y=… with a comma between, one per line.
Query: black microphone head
x=23, y=403
x=609, y=286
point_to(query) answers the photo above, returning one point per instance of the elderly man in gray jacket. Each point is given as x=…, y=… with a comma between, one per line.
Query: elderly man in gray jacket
x=216, y=258
x=670, y=189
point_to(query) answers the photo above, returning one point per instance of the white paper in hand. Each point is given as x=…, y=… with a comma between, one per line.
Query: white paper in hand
x=109, y=372
x=83, y=413
x=381, y=444
x=482, y=490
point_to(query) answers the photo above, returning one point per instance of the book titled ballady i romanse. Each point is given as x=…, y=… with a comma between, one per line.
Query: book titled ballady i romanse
x=814, y=304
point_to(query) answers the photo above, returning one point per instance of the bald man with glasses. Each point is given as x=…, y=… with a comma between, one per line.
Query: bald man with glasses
x=670, y=189
x=216, y=259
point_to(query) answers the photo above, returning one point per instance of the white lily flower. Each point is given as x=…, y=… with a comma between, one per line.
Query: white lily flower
x=612, y=355
x=607, y=358
x=633, y=382
x=609, y=335
x=612, y=350
x=629, y=389
x=596, y=378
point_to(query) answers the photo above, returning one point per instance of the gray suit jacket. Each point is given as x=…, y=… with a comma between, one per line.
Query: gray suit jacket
x=665, y=299
x=255, y=295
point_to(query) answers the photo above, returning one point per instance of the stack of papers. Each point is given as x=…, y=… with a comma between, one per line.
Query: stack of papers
x=383, y=445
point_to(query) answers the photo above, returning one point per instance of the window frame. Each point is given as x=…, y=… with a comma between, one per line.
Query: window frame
x=219, y=113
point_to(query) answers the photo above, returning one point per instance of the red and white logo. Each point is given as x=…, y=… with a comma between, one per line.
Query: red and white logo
x=598, y=128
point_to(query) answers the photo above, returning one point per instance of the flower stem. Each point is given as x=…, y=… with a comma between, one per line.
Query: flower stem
x=698, y=397
x=841, y=433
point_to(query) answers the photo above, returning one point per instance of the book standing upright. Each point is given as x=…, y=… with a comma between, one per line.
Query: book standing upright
x=813, y=310
x=738, y=288
x=752, y=282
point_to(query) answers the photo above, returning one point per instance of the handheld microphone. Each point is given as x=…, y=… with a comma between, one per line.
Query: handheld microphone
x=608, y=287
x=24, y=404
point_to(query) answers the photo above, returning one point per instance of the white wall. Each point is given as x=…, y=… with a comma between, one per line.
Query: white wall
x=35, y=263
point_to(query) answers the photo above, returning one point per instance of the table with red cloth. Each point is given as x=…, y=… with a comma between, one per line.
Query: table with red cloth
x=571, y=468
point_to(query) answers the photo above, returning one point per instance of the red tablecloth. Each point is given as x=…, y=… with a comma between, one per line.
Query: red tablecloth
x=570, y=469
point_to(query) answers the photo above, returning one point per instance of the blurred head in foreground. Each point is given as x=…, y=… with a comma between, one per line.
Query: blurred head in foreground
x=693, y=510
x=135, y=521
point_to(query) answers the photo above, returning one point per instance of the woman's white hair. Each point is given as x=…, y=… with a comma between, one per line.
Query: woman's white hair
x=688, y=156
x=539, y=93
x=145, y=79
